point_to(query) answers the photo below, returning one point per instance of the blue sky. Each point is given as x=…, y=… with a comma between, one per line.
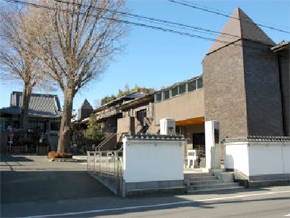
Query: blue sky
x=155, y=59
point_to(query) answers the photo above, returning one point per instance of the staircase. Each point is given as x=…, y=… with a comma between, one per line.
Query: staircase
x=108, y=144
x=198, y=181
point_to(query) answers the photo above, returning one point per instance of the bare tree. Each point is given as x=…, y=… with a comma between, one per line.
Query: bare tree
x=80, y=38
x=17, y=59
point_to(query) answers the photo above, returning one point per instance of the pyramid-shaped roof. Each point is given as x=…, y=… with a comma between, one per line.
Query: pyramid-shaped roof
x=240, y=26
x=86, y=105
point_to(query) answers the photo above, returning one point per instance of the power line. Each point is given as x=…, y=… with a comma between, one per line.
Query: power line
x=135, y=23
x=155, y=20
x=192, y=5
x=169, y=23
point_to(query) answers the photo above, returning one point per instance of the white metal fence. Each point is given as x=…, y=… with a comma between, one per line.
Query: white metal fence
x=105, y=162
x=107, y=166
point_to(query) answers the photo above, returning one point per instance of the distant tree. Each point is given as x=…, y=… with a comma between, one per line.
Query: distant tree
x=126, y=91
x=107, y=99
x=93, y=131
x=77, y=43
x=144, y=90
x=18, y=61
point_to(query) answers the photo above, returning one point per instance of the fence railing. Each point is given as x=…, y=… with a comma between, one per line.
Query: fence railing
x=105, y=163
x=107, y=167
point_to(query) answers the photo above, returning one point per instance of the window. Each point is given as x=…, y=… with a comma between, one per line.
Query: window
x=158, y=97
x=174, y=91
x=166, y=94
x=54, y=126
x=199, y=83
x=192, y=86
x=3, y=123
x=182, y=88
x=141, y=115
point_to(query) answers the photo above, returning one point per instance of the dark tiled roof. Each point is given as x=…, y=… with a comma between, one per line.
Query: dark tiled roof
x=155, y=137
x=259, y=139
x=240, y=26
x=10, y=110
x=41, y=105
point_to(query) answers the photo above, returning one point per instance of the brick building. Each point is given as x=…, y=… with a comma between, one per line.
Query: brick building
x=246, y=81
x=244, y=86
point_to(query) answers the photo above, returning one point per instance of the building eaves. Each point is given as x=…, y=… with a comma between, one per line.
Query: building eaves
x=10, y=110
x=282, y=46
x=136, y=102
x=179, y=83
x=120, y=100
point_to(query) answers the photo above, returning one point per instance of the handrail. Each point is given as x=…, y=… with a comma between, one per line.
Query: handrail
x=98, y=148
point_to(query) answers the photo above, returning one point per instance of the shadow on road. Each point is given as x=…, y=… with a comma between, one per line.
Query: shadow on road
x=49, y=186
x=8, y=158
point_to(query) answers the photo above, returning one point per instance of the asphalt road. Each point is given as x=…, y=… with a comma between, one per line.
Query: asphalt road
x=33, y=187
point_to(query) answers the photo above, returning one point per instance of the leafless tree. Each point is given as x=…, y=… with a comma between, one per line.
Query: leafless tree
x=80, y=39
x=17, y=59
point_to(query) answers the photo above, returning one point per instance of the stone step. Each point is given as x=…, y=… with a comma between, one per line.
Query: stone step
x=210, y=181
x=204, y=178
x=216, y=190
x=218, y=185
x=203, y=182
x=198, y=175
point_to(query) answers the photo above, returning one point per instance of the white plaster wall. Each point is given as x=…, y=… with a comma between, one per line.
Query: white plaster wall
x=286, y=157
x=236, y=157
x=269, y=158
x=146, y=161
x=259, y=158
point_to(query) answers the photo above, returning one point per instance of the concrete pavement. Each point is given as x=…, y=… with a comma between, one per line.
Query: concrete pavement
x=32, y=178
x=31, y=186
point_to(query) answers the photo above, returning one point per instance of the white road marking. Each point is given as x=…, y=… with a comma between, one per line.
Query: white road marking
x=110, y=209
x=242, y=196
x=154, y=205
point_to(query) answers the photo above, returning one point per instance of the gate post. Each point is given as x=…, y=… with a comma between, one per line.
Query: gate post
x=212, y=145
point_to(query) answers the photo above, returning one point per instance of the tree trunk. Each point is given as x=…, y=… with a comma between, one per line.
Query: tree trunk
x=64, y=132
x=24, y=123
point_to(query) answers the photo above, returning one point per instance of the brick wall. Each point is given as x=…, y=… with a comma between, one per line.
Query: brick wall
x=264, y=109
x=224, y=91
x=285, y=85
x=242, y=90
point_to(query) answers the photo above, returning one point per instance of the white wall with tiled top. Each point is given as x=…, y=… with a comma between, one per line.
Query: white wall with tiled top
x=150, y=160
x=258, y=158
